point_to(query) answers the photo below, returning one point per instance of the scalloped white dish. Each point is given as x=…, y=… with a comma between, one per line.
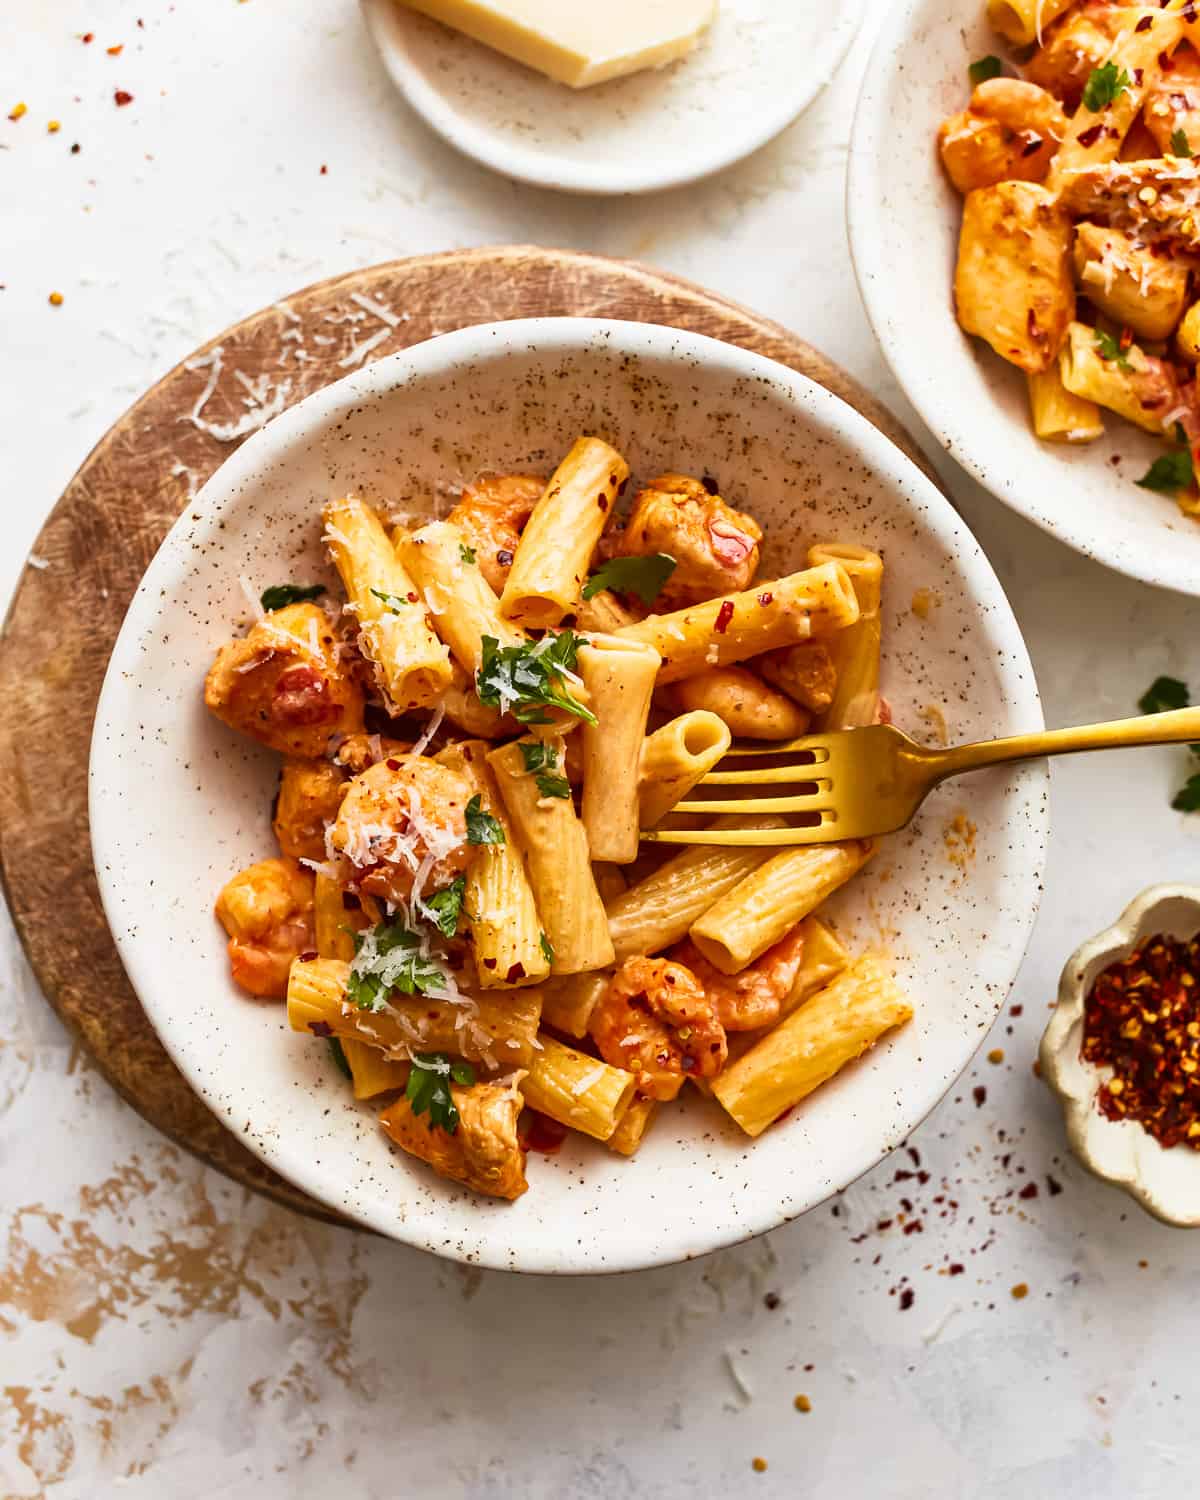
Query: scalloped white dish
x=904, y=219
x=1166, y=1183
x=761, y=64
x=178, y=802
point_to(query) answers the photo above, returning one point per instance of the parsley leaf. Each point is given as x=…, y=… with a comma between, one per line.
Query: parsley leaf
x=547, y=948
x=1168, y=474
x=1187, y=799
x=482, y=828
x=522, y=679
x=643, y=576
x=1103, y=86
x=541, y=761
x=283, y=594
x=393, y=601
x=446, y=906
x=1180, y=145
x=428, y=1087
x=1164, y=694
x=339, y=1057
x=1109, y=347
x=987, y=67
x=466, y=553
x=389, y=958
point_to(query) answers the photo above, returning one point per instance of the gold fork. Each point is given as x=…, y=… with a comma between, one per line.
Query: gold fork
x=855, y=783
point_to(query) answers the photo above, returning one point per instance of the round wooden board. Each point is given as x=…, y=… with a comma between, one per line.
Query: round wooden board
x=108, y=524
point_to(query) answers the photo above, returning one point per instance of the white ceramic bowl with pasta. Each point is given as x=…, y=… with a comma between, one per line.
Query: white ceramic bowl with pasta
x=178, y=803
x=904, y=219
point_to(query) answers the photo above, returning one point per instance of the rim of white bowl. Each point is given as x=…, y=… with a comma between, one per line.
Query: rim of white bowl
x=870, y=169
x=386, y=22
x=422, y=1227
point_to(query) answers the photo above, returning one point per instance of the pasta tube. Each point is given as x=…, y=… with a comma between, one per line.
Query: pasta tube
x=632, y=1126
x=1138, y=386
x=675, y=758
x=556, y=547
x=855, y=650
x=502, y=915
x=619, y=676
x=490, y=1028
x=575, y=1089
x=805, y=673
x=334, y=923
x=459, y=597
x=658, y=911
x=1059, y=416
x=372, y=1073
x=568, y=1003
x=726, y=630
x=823, y=959
x=610, y=879
x=1023, y=22
x=1128, y=282
x=837, y=1025
x=412, y=667
x=772, y=899
x=483, y=1152
x=558, y=863
x=750, y=708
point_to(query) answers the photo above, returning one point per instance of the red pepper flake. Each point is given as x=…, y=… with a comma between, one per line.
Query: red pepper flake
x=504, y=557
x=392, y=765
x=979, y=1093
x=955, y=1268
x=116, y=50
x=711, y=485
x=122, y=97
x=1033, y=142
x=1053, y=1186
x=915, y=1227
x=1030, y=1190
x=907, y=1298
x=1126, y=339
x=1144, y=24
x=324, y=170
x=412, y=598
x=765, y=599
x=517, y=971
x=320, y=1028
x=1091, y=135
x=543, y=1134
x=724, y=615
x=771, y=1301
x=75, y=149
x=309, y=956
x=88, y=36
x=1142, y=1020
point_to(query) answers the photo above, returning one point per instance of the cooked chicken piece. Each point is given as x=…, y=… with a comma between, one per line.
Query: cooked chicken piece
x=744, y=702
x=805, y=672
x=1135, y=287
x=358, y=751
x=1013, y=286
x=310, y=792
x=1172, y=107
x=1010, y=129
x=483, y=1153
x=267, y=911
x=656, y=1022
x=285, y=685
x=493, y=512
x=1074, y=46
x=1156, y=201
x=403, y=817
x=714, y=546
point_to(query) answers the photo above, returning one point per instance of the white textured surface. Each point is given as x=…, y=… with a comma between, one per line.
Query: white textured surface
x=164, y=1335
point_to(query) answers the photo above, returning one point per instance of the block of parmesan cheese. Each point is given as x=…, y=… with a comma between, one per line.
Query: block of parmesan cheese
x=579, y=42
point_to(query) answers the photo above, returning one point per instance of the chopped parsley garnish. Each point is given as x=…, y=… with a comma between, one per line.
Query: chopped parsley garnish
x=1163, y=695
x=547, y=948
x=466, y=553
x=394, y=602
x=283, y=594
x=541, y=762
x=1169, y=474
x=524, y=680
x=389, y=958
x=339, y=1056
x=446, y=906
x=1180, y=145
x=1109, y=347
x=428, y=1087
x=643, y=576
x=1103, y=86
x=987, y=67
x=482, y=828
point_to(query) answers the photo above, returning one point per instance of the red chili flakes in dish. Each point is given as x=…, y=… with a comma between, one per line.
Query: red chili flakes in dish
x=724, y=615
x=122, y=97
x=1142, y=1020
x=765, y=599
x=542, y=1134
x=1090, y=136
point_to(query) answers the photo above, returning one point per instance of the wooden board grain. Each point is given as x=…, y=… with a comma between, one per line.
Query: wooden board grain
x=108, y=524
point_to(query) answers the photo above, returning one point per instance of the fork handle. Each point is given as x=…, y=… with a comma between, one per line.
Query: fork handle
x=1175, y=727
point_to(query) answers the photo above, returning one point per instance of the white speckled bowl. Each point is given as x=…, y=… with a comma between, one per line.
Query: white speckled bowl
x=904, y=219
x=178, y=802
x=761, y=64
x=1166, y=1183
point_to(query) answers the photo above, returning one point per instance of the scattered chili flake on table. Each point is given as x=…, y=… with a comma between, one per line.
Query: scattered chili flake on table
x=17, y=111
x=56, y=299
x=122, y=96
x=1142, y=1020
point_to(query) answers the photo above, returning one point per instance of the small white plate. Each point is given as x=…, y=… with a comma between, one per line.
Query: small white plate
x=762, y=63
x=904, y=219
x=178, y=802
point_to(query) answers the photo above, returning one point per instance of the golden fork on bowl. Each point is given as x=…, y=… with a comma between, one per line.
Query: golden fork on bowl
x=856, y=783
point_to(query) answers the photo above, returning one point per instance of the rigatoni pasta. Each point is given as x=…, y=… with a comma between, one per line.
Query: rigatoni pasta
x=464, y=913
